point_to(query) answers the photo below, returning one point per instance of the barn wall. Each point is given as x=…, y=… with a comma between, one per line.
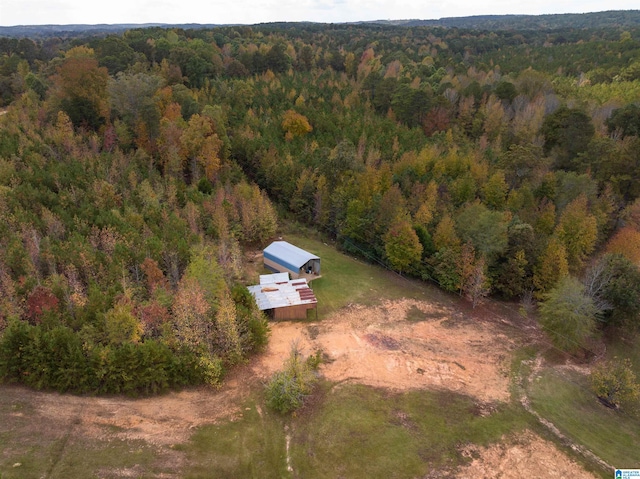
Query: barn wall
x=292, y=312
x=280, y=268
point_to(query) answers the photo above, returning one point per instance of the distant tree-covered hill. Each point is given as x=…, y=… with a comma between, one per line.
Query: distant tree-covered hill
x=44, y=31
x=596, y=20
x=612, y=18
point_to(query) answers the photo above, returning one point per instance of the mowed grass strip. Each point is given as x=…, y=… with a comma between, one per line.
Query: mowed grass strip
x=564, y=398
x=62, y=457
x=35, y=446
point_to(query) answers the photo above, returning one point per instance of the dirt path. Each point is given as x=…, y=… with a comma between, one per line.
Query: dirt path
x=160, y=421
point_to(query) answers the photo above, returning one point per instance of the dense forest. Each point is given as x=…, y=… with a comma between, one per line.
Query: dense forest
x=136, y=168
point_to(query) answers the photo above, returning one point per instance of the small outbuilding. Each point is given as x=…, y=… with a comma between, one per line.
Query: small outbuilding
x=282, y=298
x=283, y=257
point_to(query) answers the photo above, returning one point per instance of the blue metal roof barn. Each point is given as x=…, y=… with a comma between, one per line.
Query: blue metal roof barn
x=283, y=257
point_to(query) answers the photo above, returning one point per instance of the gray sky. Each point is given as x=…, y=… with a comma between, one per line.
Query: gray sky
x=39, y=12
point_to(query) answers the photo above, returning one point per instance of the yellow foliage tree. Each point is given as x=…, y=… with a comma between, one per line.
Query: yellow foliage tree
x=202, y=145
x=294, y=124
x=121, y=325
x=445, y=235
x=401, y=244
x=227, y=327
x=551, y=267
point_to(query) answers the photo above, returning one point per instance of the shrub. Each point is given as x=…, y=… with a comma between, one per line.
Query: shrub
x=567, y=315
x=211, y=369
x=287, y=389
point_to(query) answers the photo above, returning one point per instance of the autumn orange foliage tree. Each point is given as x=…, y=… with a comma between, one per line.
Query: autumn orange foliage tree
x=627, y=243
x=80, y=88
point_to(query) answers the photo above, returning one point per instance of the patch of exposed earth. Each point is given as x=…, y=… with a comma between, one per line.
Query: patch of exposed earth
x=160, y=421
x=527, y=455
x=378, y=346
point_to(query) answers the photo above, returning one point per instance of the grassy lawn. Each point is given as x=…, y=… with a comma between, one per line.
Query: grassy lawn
x=627, y=348
x=252, y=446
x=348, y=280
x=361, y=432
x=564, y=398
x=45, y=455
x=351, y=431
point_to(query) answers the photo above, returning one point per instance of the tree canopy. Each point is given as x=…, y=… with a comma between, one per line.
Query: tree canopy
x=489, y=162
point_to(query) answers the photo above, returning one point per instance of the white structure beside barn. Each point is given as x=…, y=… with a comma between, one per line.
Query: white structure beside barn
x=283, y=298
x=283, y=257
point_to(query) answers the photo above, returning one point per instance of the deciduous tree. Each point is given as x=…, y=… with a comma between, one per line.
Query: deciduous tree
x=486, y=229
x=478, y=285
x=552, y=266
x=192, y=318
x=39, y=303
x=567, y=132
x=154, y=276
x=401, y=244
x=80, y=88
x=627, y=243
x=614, y=284
x=615, y=382
x=121, y=325
x=625, y=121
x=495, y=191
x=228, y=336
x=202, y=146
x=578, y=231
x=294, y=125
x=445, y=235
x=568, y=315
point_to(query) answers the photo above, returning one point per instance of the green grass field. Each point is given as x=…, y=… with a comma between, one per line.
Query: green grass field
x=565, y=399
x=348, y=280
x=362, y=432
x=253, y=446
x=352, y=431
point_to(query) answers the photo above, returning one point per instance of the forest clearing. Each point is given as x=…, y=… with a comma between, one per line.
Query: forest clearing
x=158, y=424
x=397, y=345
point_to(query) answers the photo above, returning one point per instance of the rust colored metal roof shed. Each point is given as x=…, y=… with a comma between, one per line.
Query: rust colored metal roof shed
x=288, y=299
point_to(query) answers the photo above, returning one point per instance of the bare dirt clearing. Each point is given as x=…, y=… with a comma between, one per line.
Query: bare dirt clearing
x=379, y=346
